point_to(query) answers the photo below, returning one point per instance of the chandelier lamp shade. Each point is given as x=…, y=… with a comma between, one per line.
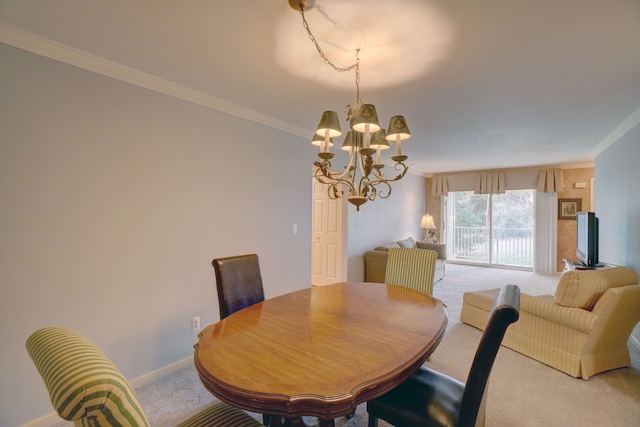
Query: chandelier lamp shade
x=362, y=179
x=319, y=140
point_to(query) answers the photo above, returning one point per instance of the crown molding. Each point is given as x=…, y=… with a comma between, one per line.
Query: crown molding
x=47, y=48
x=630, y=122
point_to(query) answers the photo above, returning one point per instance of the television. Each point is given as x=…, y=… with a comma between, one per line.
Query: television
x=587, y=238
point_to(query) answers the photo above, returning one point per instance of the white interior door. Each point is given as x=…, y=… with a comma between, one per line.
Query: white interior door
x=328, y=240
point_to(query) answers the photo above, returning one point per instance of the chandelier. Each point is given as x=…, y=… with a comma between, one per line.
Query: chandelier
x=362, y=178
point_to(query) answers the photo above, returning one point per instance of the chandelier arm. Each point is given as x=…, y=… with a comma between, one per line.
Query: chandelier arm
x=384, y=195
x=363, y=171
x=346, y=169
x=332, y=187
x=324, y=176
x=323, y=172
x=363, y=187
x=398, y=166
x=403, y=170
x=334, y=192
x=346, y=183
x=374, y=193
x=363, y=176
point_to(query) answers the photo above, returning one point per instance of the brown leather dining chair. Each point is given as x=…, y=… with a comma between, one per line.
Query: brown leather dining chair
x=430, y=398
x=239, y=283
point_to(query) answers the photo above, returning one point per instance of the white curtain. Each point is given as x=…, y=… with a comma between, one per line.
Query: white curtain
x=546, y=233
x=490, y=183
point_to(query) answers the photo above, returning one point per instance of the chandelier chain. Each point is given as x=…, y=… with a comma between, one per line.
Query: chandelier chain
x=321, y=52
x=357, y=64
x=328, y=61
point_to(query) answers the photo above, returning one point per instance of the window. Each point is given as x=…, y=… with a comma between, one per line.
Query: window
x=494, y=229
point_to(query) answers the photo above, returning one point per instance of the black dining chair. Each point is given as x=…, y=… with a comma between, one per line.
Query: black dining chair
x=430, y=398
x=239, y=283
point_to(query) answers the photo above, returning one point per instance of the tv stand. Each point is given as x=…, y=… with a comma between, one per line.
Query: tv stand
x=570, y=265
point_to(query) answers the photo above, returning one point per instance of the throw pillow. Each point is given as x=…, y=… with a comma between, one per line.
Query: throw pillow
x=441, y=248
x=409, y=242
x=386, y=246
x=583, y=288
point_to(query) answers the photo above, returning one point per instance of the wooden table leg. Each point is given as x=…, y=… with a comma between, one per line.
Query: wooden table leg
x=327, y=423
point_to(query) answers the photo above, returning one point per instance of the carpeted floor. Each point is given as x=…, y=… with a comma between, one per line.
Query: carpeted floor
x=522, y=392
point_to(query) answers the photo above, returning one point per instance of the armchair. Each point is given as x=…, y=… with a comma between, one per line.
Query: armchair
x=87, y=388
x=582, y=330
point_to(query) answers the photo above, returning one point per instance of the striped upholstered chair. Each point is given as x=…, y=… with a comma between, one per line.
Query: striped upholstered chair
x=87, y=388
x=411, y=268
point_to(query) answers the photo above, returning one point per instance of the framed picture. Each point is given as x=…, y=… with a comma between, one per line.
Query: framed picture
x=569, y=208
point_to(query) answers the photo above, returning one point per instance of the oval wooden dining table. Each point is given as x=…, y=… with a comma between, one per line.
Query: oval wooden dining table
x=319, y=351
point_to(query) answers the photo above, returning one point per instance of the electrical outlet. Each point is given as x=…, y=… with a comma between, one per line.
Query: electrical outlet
x=195, y=324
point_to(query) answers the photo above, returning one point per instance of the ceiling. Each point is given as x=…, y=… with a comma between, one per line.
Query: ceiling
x=483, y=85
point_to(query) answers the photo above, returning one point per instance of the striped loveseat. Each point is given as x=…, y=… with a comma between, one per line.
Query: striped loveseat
x=581, y=330
x=87, y=388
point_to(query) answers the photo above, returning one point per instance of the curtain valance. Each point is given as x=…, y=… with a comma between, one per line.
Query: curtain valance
x=550, y=180
x=440, y=186
x=490, y=183
x=498, y=181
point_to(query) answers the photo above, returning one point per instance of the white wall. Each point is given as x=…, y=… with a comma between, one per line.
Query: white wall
x=617, y=206
x=114, y=201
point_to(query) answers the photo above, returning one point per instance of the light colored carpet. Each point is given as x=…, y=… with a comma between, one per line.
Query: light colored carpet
x=522, y=392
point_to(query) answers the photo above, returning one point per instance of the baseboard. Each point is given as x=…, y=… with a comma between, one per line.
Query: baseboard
x=46, y=421
x=166, y=370
x=54, y=418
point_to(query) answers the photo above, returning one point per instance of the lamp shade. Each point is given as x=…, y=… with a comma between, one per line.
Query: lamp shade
x=349, y=141
x=366, y=115
x=427, y=222
x=378, y=140
x=398, y=127
x=319, y=140
x=329, y=121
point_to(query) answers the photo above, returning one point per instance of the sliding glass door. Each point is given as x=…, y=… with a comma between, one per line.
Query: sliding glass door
x=492, y=229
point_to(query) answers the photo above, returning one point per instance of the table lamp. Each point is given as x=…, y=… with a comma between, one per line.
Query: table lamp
x=430, y=233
